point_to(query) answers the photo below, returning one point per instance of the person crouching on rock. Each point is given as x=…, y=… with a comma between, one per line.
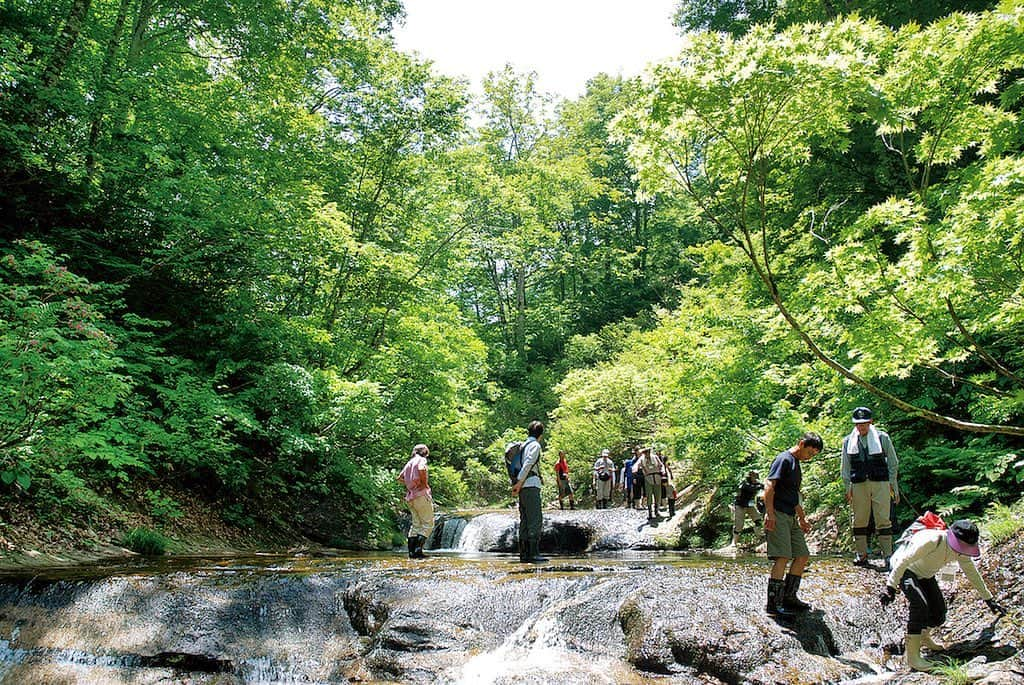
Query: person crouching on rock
x=914, y=566
x=419, y=500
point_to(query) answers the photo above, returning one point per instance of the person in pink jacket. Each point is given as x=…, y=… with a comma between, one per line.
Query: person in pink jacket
x=914, y=566
x=419, y=499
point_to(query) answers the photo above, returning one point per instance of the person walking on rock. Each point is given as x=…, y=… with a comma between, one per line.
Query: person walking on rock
x=667, y=485
x=869, y=469
x=604, y=480
x=785, y=526
x=626, y=482
x=914, y=566
x=651, y=467
x=419, y=500
x=638, y=477
x=745, y=505
x=564, y=486
x=527, y=490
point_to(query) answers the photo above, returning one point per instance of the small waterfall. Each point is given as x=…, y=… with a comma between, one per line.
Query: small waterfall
x=451, y=533
x=471, y=534
x=494, y=532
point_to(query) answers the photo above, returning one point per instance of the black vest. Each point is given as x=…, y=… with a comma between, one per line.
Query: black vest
x=865, y=466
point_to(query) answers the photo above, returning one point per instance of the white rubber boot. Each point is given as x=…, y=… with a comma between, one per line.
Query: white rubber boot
x=928, y=642
x=914, y=659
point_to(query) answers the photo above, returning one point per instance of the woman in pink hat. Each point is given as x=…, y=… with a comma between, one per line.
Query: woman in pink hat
x=914, y=566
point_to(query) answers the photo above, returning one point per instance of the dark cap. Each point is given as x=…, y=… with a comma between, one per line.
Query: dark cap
x=861, y=415
x=963, y=538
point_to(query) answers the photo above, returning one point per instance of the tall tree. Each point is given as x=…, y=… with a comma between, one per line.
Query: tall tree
x=734, y=128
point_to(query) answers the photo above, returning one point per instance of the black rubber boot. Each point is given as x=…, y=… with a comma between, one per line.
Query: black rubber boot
x=534, y=553
x=789, y=599
x=572, y=505
x=776, y=587
x=561, y=505
x=416, y=550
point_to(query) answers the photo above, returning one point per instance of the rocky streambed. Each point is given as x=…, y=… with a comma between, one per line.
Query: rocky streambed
x=633, y=617
x=608, y=608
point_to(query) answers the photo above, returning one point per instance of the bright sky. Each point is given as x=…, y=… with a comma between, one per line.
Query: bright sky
x=565, y=41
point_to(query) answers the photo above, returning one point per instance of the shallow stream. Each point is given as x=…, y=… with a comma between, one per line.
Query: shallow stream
x=607, y=608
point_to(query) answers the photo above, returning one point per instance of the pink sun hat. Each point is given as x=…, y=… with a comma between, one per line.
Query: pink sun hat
x=962, y=536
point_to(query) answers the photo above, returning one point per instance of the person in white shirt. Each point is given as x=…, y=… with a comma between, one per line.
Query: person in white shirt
x=914, y=566
x=604, y=480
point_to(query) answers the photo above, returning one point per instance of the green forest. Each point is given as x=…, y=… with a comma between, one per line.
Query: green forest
x=252, y=253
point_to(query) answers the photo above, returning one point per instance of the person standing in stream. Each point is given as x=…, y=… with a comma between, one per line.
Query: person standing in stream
x=419, y=500
x=869, y=469
x=785, y=525
x=527, y=490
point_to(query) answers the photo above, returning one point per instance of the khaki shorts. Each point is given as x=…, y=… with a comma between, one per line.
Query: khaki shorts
x=787, y=540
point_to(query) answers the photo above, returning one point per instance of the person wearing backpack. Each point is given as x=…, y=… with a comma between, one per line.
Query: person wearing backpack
x=604, y=480
x=743, y=507
x=651, y=467
x=419, y=499
x=914, y=565
x=527, y=489
x=869, y=468
x=626, y=482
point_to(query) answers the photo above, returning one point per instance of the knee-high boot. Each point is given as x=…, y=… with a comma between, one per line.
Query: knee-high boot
x=914, y=659
x=534, y=553
x=774, y=606
x=789, y=598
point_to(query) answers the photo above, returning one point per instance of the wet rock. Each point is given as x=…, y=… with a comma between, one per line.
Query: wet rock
x=565, y=532
x=626, y=619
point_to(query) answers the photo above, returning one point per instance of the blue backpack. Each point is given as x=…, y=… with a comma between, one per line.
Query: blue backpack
x=514, y=460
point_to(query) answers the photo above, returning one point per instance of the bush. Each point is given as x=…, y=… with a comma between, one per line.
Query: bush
x=486, y=483
x=1003, y=522
x=145, y=541
x=447, y=486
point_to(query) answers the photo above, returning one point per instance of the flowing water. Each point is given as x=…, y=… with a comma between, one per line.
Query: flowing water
x=470, y=616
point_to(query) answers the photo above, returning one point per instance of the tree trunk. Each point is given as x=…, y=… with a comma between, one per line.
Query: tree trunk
x=520, y=330
x=65, y=43
x=104, y=86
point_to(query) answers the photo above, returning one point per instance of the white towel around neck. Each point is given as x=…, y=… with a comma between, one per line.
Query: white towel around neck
x=874, y=444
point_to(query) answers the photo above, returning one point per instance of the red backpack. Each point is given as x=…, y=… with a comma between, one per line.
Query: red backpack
x=929, y=520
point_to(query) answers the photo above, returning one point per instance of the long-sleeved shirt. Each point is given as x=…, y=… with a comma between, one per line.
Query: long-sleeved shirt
x=530, y=470
x=604, y=465
x=411, y=475
x=925, y=554
x=890, y=459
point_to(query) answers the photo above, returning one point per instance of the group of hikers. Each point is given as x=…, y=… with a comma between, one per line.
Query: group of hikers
x=644, y=479
x=868, y=468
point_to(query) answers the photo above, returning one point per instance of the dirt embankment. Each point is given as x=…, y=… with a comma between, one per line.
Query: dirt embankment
x=64, y=534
